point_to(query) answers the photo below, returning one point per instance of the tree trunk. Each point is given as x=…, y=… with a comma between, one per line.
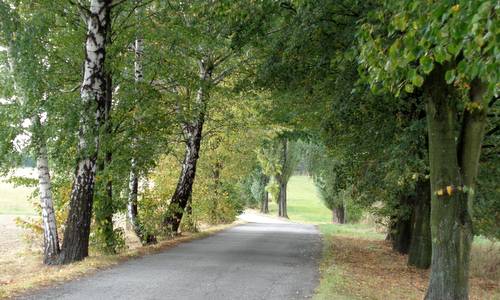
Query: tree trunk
x=282, y=181
x=51, y=248
x=264, y=207
x=282, y=200
x=186, y=179
x=104, y=207
x=420, y=252
x=453, y=170
x=338, y=215
x=213, y=213
x=193, y=133
x=93, y=92
x=50, y=236
x=132, y=205
x=190, y=221
x=132, y=208
x=400, y=233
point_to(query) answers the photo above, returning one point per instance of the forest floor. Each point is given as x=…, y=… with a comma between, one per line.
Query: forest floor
x=359, y=264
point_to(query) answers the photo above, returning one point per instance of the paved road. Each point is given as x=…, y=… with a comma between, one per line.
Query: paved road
x=250, y=261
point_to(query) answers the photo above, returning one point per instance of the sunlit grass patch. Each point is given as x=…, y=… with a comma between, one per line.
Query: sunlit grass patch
x=14, y=200
x=303, y=203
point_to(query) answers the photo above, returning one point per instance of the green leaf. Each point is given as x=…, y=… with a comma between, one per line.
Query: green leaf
x=417, y=80
x=454, y=49
x=400, y=22
x=450, y=76
x=440, y=54
x=427, y=64
x=409, y=88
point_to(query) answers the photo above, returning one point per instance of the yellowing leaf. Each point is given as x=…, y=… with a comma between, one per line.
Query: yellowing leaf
x=449, y=190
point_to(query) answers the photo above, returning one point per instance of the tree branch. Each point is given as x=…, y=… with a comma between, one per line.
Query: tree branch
x=84, y=11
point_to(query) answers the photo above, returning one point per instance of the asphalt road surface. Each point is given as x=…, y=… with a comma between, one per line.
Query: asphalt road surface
x=250, y=261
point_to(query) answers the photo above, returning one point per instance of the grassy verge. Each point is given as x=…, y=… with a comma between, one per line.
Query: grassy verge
x=359, y=264
x=26, y=272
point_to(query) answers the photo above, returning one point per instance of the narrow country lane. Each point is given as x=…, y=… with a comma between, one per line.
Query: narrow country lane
x=252, y=261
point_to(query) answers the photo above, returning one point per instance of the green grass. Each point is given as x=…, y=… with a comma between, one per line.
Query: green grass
x=304, y=205
x=364, y=231
x=303, y=202
x=14, y=200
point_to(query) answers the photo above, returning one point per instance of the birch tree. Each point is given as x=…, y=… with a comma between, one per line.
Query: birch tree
x=21, y=33
x=93, y=93
x=214, y=46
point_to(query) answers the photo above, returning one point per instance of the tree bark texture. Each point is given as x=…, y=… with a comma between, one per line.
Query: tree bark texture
x=93, y=92
x=282, y=180
x=400, y=229
x=50, y=236
x=104, y=209
x=282, y=212
x=193, y=133
x=132, y=203
x=453, y=169
x=338, y=215
x=214, y=207
x=264, y=206
x=420, y=252
x=185, y=183
x=51, y=247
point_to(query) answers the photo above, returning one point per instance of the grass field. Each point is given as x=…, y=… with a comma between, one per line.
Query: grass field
x=304, y=204
x=14, y=200
x=357, y=261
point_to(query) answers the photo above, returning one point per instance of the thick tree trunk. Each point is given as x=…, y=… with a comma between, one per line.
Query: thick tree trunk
x=50, y=237
x=264, y=206
x=338, y=215
x=93, y=92
x=453, y=174
x=420, y=252
x=193, y=133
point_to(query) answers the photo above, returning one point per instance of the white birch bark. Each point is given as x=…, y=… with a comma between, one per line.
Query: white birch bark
x=50, y=237
x=134, y=177
x=193, y=132
x=93, y=93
